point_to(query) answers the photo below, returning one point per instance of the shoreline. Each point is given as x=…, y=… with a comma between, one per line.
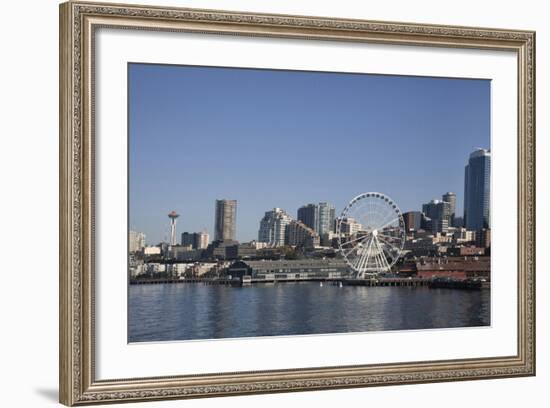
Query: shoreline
x=463, y=284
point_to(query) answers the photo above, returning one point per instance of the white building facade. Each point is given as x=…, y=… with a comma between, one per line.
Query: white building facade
x=273, y=227
x=136, y=241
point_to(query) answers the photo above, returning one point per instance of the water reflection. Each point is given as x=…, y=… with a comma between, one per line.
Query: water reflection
x=196, y=311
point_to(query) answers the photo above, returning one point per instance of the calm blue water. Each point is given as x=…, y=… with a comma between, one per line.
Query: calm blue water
x=196, y=311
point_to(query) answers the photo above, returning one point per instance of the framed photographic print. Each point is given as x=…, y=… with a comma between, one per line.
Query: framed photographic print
x=260, y=203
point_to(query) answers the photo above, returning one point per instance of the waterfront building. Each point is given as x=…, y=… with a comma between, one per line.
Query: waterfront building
x=273, y=227
x=300, y=235
x=207, y=269
x=137, y=270
x=225, y=220
x=477, y=190
x=413, y=221
x=155, y=268
x=450, y=198
x=456, y=268
x=179, y=269
x=290, y=269
x=136, y=241
x=202, y=269
x=440, y=214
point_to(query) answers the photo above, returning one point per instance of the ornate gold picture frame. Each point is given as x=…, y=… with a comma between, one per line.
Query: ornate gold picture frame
x=78, y=24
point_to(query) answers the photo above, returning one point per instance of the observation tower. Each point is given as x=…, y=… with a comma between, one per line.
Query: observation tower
x=173, y=218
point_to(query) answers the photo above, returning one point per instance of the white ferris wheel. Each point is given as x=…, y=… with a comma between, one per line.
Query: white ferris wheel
x=371, y=234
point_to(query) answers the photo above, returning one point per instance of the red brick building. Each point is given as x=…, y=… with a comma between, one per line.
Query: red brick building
x=457, y=268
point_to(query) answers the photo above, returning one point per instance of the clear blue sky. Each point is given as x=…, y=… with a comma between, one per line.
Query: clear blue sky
x=270, y=138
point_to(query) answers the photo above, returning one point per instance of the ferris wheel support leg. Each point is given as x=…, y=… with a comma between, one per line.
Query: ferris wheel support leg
x=364, y=261
x=357, y=265
x=386, y=266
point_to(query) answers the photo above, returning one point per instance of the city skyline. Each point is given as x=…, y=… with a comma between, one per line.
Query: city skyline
x=312, y=158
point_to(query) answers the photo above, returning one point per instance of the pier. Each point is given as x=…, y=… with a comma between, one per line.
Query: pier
x=465, y=284
x=387, y=282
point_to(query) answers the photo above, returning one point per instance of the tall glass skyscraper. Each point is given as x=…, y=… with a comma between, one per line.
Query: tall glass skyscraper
x=318, y=217
x=477, y=190
x=326, y=218
x=309, y=215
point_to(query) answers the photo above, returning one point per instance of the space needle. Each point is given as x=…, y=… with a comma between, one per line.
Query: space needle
x=173, y=217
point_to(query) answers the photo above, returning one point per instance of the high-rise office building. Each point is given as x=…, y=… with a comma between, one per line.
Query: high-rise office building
x=440, y=214
x=413, y=220
x=197, y=240
x=188, y=239
x=450, y=198
x=319, y=217
x=477, y=190
x=136, y=241
x=299, y=234
x=309, y=215
x=273, y=227
x=326, y=218
x=226, y=220
x=202, y=240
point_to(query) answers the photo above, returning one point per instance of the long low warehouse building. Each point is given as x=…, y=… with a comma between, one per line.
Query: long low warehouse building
x=290, y=269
